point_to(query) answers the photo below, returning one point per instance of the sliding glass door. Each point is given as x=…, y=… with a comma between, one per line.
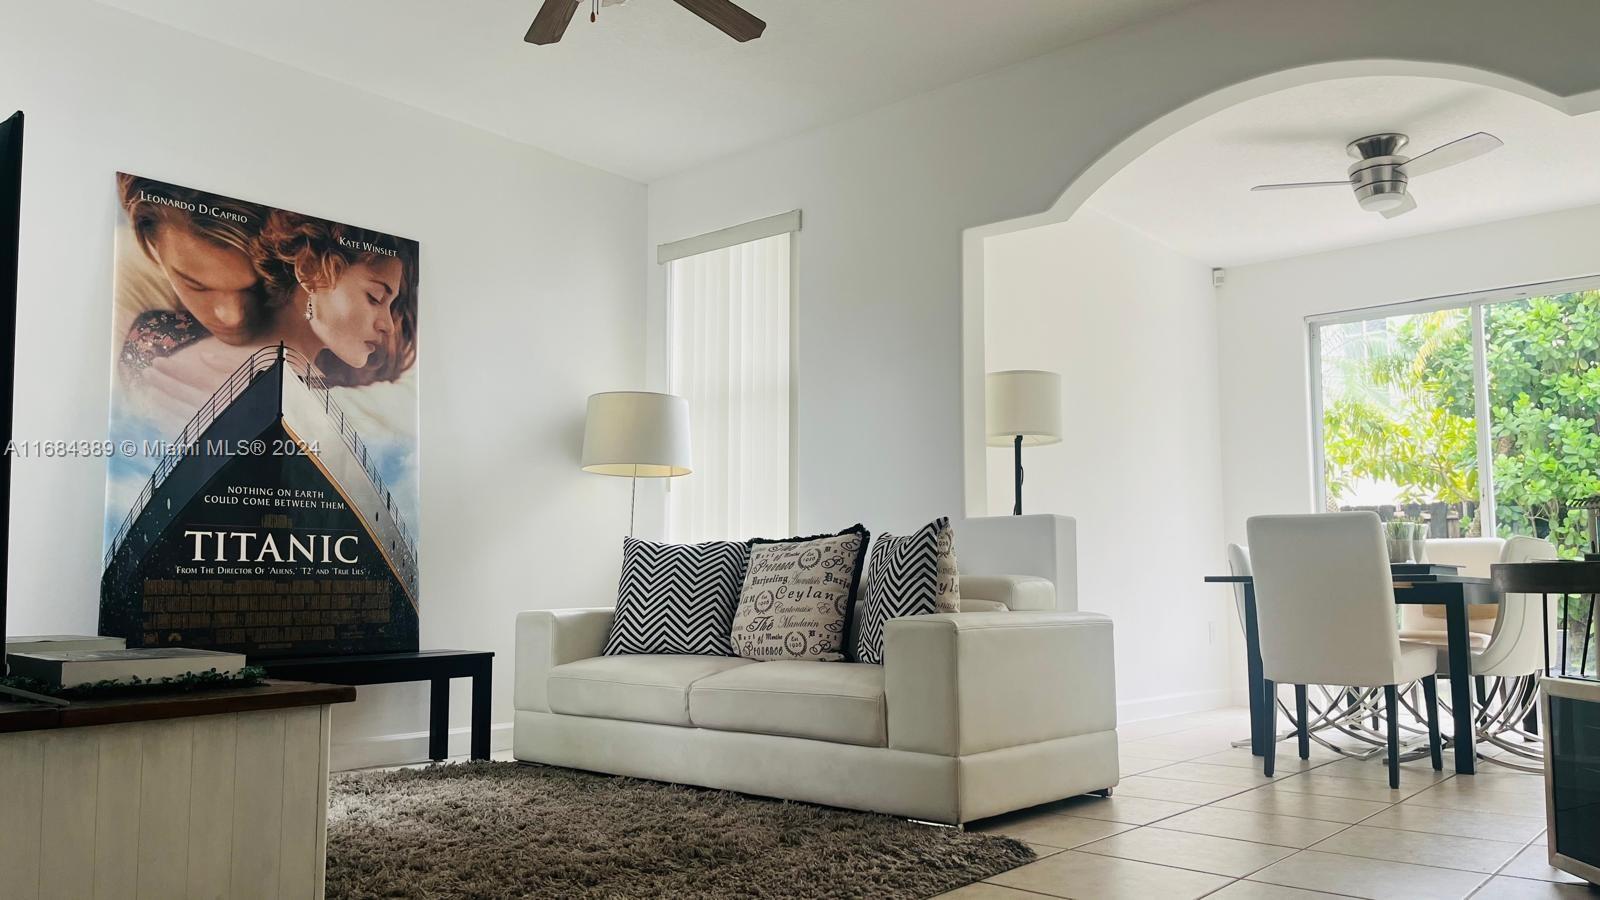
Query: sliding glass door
x=1476, y=415
x=1482, y=410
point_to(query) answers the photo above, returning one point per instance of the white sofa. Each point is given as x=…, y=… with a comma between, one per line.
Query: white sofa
x=972, y=714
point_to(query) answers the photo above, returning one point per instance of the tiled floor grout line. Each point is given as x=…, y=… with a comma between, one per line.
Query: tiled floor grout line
x=1022, y=890
x=1343, y=827
x=1484, y=875
x=1503, y=866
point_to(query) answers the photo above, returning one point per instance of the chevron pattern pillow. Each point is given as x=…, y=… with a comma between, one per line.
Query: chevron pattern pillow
x=677, y=598
x=902, y=580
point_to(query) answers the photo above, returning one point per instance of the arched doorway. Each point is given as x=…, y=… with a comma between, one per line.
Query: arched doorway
x=1156, y=490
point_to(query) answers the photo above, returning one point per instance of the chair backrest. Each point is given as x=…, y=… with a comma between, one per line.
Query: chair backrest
x=1474, y=556
x=1517, y=646
x=1324, y=599
x=1238, y=564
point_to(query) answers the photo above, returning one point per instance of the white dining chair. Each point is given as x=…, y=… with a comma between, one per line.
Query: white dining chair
x=1516, y=646
x=1327, y=711
x=1474, y=555
x=1325, y=613
x=1513, y=656
x=1239, y=566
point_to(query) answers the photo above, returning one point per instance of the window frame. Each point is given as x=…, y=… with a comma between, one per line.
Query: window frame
x=1474, y=302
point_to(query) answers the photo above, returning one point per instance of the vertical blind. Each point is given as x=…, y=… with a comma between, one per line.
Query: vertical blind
x=728, y=356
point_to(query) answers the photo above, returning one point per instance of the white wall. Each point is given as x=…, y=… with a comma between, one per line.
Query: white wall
x=1266, y=440
x=887, y=196
x=531, y=288
x=1131, y=326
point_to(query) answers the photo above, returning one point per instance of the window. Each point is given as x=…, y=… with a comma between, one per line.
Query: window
x=1478, y=415
x=728, y=355
x=1399, y=417
x=1543, y=357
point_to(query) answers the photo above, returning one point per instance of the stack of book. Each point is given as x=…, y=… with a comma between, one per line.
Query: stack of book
x=51, y=661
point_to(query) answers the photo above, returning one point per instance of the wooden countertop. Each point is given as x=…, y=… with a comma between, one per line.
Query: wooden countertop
x=271, y=695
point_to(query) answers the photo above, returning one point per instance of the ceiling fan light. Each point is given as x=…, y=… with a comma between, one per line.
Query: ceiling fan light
x=1383, y=202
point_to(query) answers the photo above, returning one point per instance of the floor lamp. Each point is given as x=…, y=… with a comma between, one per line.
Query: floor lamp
x=1022, y=409
x=636, y=434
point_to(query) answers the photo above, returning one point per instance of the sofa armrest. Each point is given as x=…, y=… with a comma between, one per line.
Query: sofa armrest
x=963, y=683
x=547, y=638
x=1014, y=592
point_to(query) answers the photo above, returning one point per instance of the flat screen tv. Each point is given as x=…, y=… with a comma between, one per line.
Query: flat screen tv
x=10, y=232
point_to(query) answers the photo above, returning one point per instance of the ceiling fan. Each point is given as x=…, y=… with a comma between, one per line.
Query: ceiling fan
x=554, y=16
x=1380, y=176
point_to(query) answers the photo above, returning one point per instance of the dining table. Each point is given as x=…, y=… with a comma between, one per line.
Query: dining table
x=1414, y=583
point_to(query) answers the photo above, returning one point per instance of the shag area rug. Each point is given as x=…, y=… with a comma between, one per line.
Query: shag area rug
x=488, y=830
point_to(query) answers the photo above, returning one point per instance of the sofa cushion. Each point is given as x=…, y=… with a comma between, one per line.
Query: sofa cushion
x=677, y=598
x=797, y=596
x=826, y=701
x=902, y=580
x=639, y=688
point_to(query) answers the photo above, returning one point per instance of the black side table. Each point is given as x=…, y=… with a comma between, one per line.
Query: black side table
x=436, y=667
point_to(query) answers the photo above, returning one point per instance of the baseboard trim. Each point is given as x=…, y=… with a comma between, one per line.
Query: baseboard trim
x=406, y=748
x=1173, y=705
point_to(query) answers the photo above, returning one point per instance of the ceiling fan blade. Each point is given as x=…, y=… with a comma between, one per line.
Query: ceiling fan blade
x=552, y=21
x=1457, y=151
x=729, y=18
x=1299, y=184
x=1402, y=209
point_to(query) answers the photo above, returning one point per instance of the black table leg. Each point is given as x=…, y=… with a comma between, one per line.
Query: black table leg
x=1260, y=713
x=1455, y=614
x=481, y=680
x=438, y=719
x=1530, y=722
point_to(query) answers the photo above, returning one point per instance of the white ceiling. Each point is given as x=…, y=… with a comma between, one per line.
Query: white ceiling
x=1192, y=191
x=650, y=89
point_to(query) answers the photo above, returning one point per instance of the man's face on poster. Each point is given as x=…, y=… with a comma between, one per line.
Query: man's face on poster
x=215, y=283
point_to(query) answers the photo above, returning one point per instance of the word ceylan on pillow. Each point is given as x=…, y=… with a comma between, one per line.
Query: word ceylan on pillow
x=677, y=598
x=906, y=578
x=797, y=595
x=948, y=598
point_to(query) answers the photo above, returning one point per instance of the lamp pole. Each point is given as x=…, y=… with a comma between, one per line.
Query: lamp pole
x=1017, y=509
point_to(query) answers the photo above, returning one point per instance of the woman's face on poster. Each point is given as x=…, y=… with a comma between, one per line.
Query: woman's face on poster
x=215, y=283
x=353, y=318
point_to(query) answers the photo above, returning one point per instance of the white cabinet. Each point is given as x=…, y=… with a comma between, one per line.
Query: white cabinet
x=222, y=806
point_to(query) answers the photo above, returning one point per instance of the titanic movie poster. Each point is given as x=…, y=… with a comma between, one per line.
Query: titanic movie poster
x=262, y=465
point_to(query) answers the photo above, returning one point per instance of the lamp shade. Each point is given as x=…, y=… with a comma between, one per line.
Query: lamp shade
x=636, y=433
x=1024, y=402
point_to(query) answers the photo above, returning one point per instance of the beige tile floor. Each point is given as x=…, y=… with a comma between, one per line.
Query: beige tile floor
x=1194, y=817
